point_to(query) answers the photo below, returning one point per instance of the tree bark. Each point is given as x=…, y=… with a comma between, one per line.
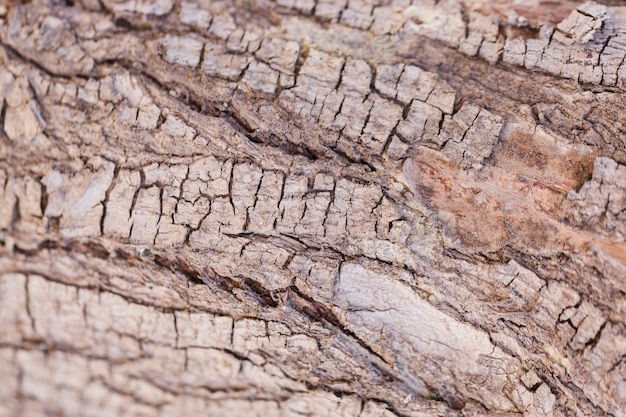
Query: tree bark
x=351, y=208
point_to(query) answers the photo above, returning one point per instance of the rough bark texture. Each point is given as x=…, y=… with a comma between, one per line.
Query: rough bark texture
x=326, y=208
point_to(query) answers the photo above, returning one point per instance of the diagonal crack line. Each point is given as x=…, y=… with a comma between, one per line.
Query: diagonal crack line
x=319, y=312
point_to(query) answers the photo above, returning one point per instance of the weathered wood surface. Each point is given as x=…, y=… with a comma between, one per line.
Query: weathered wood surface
x=348, y=208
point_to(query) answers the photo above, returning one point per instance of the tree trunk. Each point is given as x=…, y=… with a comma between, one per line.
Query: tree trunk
x=348, y=208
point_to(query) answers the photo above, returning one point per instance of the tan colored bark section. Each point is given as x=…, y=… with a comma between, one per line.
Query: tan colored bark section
x=312, y=208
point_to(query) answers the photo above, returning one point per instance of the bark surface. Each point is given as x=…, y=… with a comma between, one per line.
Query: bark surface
x=324, y=208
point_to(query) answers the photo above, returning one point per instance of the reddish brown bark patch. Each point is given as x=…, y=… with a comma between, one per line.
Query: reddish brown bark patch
x=514, y=200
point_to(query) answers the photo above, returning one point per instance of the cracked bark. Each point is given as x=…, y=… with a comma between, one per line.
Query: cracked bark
x=305, y=207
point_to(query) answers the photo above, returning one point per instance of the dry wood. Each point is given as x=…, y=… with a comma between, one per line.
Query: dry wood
x=334, y=208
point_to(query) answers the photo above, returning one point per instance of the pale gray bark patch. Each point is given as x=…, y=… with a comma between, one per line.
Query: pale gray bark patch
x=378, y=308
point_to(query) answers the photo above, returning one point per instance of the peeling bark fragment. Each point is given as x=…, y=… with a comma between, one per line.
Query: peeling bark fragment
x=280, y=55
x=387, y=20
x=117, y=220
x=245, y=41
x=21, y=123
x=582, y=24
x=553, y=299
x=261, y=77
x=414, y=83
x=354, y=113
x=471, y=44
x=245, y=185
x=265, y=212
x=492, y=51
x=182, y=50
x=193, y=15
x=364, y=199
x=588, y=321
x=421, y=123
x=534, y=51
x=191, y=213
x=207, y=177
x=329, y=9
x=320, y=70
x=291, y=205
x=176, y=127
x=387, y=77
x=477, y=142
x=78, y=200
x=218, y=219
x=148, y=117
x=315, y=208
x=146, y=214
x=169, y=180
x=222, y=26
x=383, y=118
x=514, y=51
x=356, y=78
x=127, y=87
x=397, y=149
x=89, y=93
x=455, y=128
x=218, y=63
